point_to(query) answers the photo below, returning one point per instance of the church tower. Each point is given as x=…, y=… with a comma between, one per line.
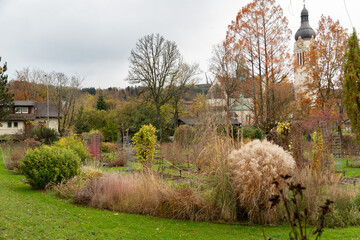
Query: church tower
x=303, y=38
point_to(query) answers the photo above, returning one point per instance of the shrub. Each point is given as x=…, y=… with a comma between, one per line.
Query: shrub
x=251, y=132
x=108, y=147
x=110, y=130
x=44, y=134
x=75, y=144
x=145, y=144
x=32, y=143
x=172, y=152
x=120, y=159
x=46, y=165
x=253, y=169
x=90, y=172
x=184, y=135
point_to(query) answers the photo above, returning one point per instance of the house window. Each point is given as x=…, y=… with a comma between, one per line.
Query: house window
x=15, y=124
x=9, y=124
x=22, y=110
x=17, y=109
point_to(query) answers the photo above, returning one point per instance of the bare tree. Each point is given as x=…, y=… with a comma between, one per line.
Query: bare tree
x=226, y=65
x=29, y=84
x=155, y=64
x=64, y=92
x=71, y=94
x=185, y=80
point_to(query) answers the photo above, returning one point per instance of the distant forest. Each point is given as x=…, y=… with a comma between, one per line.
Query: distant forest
x=134, y=91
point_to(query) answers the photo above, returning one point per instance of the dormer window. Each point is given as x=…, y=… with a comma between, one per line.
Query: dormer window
x=19, y=110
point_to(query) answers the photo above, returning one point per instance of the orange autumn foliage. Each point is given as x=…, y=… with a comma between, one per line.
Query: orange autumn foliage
x=325, y=66
x=261, y=33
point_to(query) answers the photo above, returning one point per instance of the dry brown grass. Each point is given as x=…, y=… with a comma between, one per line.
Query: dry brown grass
x=144, y=194
x=325, y=185
x=209, y=151
x=15, y=156
x=67, y=189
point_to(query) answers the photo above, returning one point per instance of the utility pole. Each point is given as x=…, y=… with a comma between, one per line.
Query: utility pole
x=47, y=101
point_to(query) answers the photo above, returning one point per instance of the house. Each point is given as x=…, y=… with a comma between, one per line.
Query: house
x=240, y=111
x=28, y=113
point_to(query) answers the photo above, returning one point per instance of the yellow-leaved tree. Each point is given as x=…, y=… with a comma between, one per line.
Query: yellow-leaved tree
x=145, y=145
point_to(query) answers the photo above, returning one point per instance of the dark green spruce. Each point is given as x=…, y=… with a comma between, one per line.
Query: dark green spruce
x=6, y=97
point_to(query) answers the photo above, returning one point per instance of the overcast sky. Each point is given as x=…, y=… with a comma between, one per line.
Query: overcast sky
x=93, y=38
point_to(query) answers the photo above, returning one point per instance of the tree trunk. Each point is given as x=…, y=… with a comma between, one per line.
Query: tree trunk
x=158, y=116
x=176, y=113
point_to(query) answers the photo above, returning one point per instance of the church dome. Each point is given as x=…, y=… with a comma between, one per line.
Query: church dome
x=305, y=31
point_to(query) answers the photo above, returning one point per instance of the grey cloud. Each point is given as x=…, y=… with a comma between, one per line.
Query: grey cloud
x=94, y=38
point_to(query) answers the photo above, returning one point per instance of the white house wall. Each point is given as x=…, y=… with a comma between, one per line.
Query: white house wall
x=53, y=124
x=5, y=130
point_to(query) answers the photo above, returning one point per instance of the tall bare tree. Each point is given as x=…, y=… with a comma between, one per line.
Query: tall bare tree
x=185, y=80
x=29, y=84
x=155, y=64
x=70, y=106
x=228, y=68
x=64, y=92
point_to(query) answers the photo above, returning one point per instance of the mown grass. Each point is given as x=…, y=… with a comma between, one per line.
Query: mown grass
x=29, y=214
x=349, y=171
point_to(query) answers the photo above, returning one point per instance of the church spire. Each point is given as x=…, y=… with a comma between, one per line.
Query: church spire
x=305, y=31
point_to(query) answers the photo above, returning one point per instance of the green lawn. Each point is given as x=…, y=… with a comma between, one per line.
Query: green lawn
x=29, y=214
x=349, y=171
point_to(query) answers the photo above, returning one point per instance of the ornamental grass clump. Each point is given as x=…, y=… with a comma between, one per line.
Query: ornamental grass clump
x=253, y=169
x=145, y=194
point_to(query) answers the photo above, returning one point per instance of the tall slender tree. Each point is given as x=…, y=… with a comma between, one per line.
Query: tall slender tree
x=262, y=34
x=352, y=83
x=324, y=64
x=6, y=98
x=228, y=69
